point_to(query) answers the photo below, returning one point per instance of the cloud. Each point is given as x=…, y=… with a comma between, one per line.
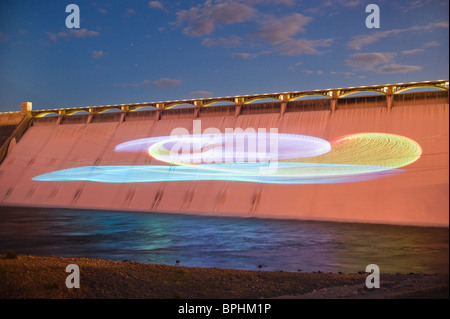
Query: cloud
x=166, y=83
x=281, y=30
x=97, y=54
x=272, y=2
x=412, y=51
x=201, y=94
x=83, y=33
x=343, y=3
x=415, y=4
x=357, y=42
x=225, y=42
x=324, y=7
x=243, y=55
x=156, y=5
x=202, y=20
x=379, y=62
x=346, y=74
x=432, y=44
x=76, y=33
x=3, y=38
x=309, y=72
x=304, y=46
x=350, y=3
x=102, y=10
x=397, y=68
x=368, y=61
x=129, y=12
x=292, y=67
x=134, y=85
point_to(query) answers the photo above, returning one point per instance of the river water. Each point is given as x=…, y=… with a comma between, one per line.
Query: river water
x=224, y=242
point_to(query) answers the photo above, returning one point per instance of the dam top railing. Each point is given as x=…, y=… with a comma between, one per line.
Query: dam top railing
x=387, y=90
x=279, y=108
x=242, y=103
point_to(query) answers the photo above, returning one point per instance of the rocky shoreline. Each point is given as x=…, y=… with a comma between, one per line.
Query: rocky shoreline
x=31, y=277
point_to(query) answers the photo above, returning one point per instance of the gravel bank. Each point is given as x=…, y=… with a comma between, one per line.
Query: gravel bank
x=44, y=277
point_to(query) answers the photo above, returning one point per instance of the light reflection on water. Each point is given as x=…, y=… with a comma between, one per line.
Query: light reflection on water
x=224, y=242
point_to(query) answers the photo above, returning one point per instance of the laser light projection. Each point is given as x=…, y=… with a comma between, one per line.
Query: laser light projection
x=255, y=157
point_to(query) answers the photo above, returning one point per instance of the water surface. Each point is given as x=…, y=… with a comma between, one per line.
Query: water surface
x=224, y=242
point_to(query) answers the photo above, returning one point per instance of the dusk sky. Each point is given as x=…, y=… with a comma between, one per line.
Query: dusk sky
x=147, y=51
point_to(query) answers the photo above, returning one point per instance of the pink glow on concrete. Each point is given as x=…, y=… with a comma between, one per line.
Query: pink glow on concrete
x=418, y=196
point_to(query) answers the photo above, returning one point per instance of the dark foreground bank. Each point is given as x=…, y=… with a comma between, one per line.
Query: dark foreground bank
x=45, y=277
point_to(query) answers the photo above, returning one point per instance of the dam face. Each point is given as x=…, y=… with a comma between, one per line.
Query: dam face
x=417, y=194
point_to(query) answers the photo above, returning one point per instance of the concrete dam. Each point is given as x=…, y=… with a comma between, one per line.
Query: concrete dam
x=394, y=150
